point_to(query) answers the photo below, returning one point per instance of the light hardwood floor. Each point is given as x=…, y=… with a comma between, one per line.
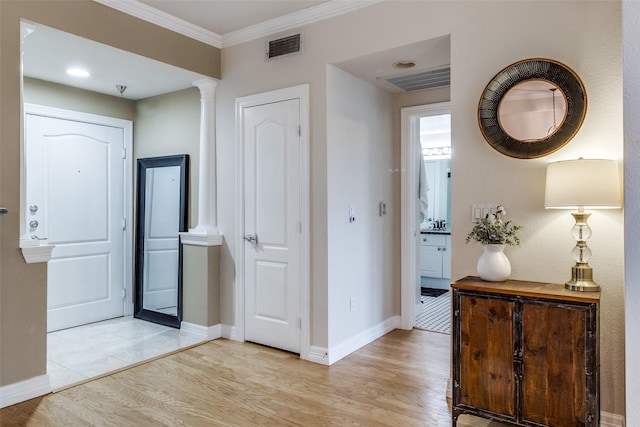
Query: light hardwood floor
x=398, y=380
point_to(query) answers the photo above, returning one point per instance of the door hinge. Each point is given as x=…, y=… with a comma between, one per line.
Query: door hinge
x=124, y=153
x=299, y=322
x=124, y=223
x=124, y=293
x=299, y=130
x=299, y=227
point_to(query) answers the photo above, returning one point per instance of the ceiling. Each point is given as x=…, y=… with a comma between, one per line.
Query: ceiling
x=49, y=52
x=226, y=16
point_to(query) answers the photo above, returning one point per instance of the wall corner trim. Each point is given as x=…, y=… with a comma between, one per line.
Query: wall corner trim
x=318, y=355
x=231, y=333
x=24, y=390
x=194, y=239
x=39, y=253
x=207, y=333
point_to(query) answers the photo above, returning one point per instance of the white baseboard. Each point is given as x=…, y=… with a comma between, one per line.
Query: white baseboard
x=201, y=332
x=318, y=355
x=230, y=332
x=611, y=420
x=368, y=336
x=24, y=390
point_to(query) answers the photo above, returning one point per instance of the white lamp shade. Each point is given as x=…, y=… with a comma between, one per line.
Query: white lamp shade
x=590, y=183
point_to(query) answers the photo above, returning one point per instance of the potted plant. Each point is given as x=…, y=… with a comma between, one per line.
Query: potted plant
x=493, y=233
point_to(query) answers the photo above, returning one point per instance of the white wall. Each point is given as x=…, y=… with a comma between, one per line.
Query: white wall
x=631, y=23
x=485, y=37
x=360, y=164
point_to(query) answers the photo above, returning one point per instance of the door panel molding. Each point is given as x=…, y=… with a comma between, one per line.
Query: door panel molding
x=301, y=93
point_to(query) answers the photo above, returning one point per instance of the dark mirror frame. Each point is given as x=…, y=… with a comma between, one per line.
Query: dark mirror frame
x=181, y=160
x=555, y=73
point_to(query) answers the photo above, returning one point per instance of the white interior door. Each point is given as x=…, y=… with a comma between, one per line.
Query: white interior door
x=76, y=180
x=272, y=224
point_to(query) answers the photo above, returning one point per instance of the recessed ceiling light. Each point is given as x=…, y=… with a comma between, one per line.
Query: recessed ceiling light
x=405, y=64
x=78, y=72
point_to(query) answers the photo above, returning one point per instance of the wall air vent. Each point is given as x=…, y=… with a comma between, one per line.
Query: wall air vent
x=430, y=79
x=283, y=45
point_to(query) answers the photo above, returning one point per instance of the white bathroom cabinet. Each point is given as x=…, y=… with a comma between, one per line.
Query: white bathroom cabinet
x=435, y=258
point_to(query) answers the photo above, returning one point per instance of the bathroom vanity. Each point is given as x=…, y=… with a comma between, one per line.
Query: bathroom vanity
x=435, y=257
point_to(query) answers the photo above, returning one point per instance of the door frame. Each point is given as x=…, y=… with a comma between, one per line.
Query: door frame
x=300, y=92
x=408, y=225
x=127, y=191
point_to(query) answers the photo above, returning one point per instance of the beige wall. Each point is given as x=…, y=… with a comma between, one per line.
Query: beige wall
x=485, y=37
x=23, y=286
x=170, y=124
x=69, y=98
x=166, y=125
x=585, y=35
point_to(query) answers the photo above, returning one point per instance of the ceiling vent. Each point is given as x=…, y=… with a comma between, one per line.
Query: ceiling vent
x=431, y=79
x=283, y=45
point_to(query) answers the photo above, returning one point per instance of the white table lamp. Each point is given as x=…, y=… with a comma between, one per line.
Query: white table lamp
x=582, y=183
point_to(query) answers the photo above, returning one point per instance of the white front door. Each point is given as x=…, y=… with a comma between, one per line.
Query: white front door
x=272, y=224
x=75, y=182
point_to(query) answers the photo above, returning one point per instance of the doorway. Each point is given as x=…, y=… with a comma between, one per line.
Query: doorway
x=272, y=299
x=425, y=234
x=78, y=189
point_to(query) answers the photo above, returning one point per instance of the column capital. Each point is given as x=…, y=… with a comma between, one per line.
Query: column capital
x=207, y=87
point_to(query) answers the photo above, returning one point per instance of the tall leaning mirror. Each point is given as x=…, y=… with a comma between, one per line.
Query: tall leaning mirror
x=161, y=215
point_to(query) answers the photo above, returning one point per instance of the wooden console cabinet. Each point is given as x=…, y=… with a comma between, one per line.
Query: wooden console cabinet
x=525, y=353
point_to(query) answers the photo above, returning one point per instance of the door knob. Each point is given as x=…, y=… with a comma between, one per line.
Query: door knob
x=251, y=238
x=4, y=211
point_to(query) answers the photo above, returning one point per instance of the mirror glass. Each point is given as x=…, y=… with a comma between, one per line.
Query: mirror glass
x=161, y=216
x=532, y=110
x=439, y=195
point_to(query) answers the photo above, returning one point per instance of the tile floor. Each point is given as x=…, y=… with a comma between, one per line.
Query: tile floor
x=78, y=354
x=436, y=314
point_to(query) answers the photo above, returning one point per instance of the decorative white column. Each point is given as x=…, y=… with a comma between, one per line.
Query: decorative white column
x=206, y=233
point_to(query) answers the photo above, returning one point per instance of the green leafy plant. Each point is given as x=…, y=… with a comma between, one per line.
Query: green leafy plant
x=493, y=230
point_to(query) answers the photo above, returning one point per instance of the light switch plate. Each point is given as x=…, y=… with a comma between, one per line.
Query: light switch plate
x=480, y=210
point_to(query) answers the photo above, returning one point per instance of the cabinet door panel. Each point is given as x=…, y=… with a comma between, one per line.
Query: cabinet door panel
x=430, y=261
x=553, y=378
x=487, y=378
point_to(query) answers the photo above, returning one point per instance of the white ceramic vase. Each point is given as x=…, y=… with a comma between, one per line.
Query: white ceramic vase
x=493, y=265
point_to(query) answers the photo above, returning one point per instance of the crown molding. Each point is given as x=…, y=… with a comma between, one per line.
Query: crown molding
x=294, y=20
x=165, y=20
x=288, y=22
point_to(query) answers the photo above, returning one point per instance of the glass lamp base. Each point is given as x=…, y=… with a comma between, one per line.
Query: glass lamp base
x=582, y=279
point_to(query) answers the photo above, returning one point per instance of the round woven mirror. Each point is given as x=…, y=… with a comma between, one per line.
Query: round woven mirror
x=532, y=108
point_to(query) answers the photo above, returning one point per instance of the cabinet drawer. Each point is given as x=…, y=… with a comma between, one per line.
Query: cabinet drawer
x=433, y=240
